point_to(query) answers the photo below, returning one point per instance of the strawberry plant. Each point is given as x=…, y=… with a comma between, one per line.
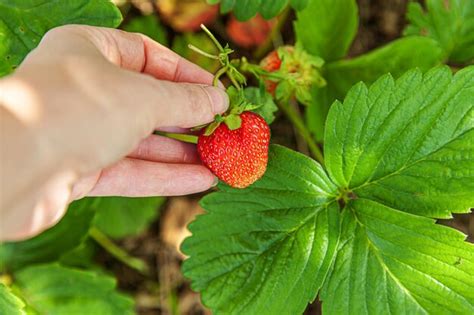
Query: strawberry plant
x=390, y=146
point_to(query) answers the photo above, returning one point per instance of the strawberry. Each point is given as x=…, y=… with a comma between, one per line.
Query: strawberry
x=272, y=63
x=187, y=15
x=237, y=157
x=291, y=73
x=251, y=33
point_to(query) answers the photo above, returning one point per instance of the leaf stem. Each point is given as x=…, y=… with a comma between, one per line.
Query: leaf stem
x=212, y=37
x=218, y=74
x=202, y=52
x=117, y=252
x=297, y=121
x=178, y=136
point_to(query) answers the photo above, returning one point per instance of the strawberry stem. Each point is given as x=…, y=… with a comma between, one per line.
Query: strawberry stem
x=212, y=37
x=135, y=263
x=178, y=136
x=202, y=52
x=218, y=74
x=300, y=126
x=227, y=68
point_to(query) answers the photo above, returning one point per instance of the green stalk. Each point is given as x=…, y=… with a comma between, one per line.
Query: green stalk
x=178, y=136
x=202, y=52
x=218, y=74
x=212, y=37
x=117, y=252
x=297, y=121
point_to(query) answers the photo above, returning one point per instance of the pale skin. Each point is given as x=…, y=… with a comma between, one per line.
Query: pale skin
x=77, y=119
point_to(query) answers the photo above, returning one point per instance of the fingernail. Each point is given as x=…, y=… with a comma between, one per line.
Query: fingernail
x=215, y=182
x=219, y=98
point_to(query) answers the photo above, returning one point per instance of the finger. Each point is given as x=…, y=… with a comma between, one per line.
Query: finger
x=138, y=53
x=161, y=149
x=174, y=129
x=137, y=178
x=165, y=104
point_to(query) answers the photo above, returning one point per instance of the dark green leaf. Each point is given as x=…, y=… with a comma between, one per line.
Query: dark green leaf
x=24, y=22
x=395, y=58
x=54, y=289
x=266, y=249
x=299, y=4
x=51, y=244
x=263, y=98
x=407, y=143
x=269, y=9
x=10, y=304
x=391, y=262
x=148, y=25
x=120, y=216
x=451, y=22
x=82, y=256
x=246, y=9
x=326, y=28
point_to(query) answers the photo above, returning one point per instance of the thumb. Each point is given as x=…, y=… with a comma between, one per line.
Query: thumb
x=166, y=103
x=187, y=105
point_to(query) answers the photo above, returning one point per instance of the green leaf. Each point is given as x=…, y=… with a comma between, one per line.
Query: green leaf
x=326, y=28
x=52, y=243
x=450, y=22
x=266, y=249
x=391, y=262
x=245, y=9
x=9, y=303
x=226, y=5
x=54, y=289
x=81, y=256
x=395, y=58
x=148, y=25
x=269, y=9
x=299, y=4
x=24, y=22
x=407, y=143
x=120, y=216
x=261, y=97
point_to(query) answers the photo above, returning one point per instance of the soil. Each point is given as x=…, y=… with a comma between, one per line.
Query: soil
x=165, y=291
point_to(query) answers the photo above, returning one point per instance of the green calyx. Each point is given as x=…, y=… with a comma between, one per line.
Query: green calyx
x=237, y=105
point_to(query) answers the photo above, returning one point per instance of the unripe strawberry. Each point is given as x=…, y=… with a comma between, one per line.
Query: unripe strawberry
x=237, y=157
x=272, y=63
x=250, y=33
x=294, y=72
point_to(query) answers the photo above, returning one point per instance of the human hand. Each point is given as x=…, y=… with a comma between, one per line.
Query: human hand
x=77, y=120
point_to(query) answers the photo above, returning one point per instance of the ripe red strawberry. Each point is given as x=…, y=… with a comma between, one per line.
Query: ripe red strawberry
x=237, y=157
x=251, y=33
x=187, y=15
